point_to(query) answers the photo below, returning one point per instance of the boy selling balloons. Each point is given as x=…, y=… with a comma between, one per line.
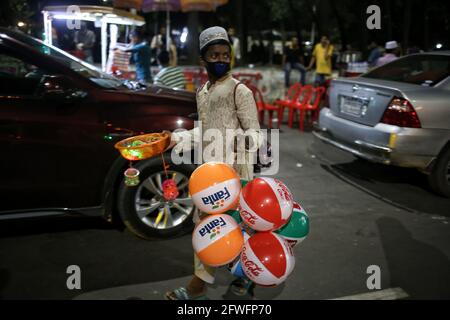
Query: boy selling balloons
x=223, y=104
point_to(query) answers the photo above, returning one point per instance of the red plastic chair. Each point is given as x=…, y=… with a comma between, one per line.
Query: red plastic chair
x=313, y=106
x=303, y=98
x=289, y=99
x=263, y=107
x=248, y=78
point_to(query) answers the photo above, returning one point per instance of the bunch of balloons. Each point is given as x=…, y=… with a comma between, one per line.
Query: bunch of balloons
x=252, y=226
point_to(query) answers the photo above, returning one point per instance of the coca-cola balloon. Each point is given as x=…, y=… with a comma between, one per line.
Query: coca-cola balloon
x=267, y=259
x=265, y=204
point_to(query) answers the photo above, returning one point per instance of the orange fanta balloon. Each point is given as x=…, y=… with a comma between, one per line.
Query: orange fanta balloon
x=217, y=240
x=215, y=188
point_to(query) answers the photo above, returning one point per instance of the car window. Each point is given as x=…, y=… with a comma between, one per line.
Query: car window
x=81, y=67
x=18, y=77
x=425, y=70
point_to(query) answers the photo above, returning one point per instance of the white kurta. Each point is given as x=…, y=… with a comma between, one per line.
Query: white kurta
x=223, y=106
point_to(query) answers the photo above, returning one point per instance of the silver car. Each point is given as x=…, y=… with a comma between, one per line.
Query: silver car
x=397, y=114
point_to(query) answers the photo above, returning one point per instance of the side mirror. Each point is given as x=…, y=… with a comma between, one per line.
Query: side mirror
x=59, y=87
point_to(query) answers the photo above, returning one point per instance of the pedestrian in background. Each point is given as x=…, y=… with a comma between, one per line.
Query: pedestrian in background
x=85, y=40
x=391, y=54
x=169, y=76
x=293, y=60
x=321, y=56
x=141, y=56
x=375, y=53
x=159, y=44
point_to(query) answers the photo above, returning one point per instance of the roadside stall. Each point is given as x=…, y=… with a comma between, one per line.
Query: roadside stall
x=103, y=17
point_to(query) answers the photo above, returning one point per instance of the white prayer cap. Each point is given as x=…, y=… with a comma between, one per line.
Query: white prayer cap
x=391, y=45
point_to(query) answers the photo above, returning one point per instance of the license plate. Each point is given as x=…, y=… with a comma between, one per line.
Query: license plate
x=352, y=106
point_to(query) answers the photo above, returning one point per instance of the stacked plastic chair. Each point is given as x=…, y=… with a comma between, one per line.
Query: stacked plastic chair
x=263, y=107
x=313, y=106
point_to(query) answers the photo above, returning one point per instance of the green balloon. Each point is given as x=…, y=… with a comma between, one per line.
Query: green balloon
x=297, y=228
x=235, y=215
x=244, y=182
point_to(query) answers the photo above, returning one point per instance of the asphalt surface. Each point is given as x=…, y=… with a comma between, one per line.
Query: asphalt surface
x=361, y=215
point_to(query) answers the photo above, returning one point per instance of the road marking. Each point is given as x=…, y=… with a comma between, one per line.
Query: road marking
x=387, y=294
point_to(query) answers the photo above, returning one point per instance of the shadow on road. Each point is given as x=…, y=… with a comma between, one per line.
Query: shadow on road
x=403, y=186
x=4, y=280
x=33, y=226
x=420, y=269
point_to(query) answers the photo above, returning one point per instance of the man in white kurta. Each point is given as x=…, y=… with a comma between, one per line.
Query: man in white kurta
x=223, y=104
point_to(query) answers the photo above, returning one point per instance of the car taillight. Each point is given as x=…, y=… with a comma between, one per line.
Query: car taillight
x=402, y=114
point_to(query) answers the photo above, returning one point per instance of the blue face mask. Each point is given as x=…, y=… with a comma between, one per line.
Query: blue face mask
x=218, y=69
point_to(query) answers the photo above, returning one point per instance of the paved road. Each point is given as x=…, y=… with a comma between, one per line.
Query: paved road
x=361, y=215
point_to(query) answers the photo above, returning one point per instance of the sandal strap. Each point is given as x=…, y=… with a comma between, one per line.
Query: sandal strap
x=242, y=286
x=181, y=294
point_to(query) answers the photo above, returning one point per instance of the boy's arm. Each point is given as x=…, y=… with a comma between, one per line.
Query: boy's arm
x=187, y=139
x=247, y=113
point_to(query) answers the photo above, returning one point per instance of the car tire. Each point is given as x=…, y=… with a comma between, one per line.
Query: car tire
x=136, y=205
x=439, y=178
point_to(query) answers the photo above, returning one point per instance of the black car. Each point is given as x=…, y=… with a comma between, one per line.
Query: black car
x=59, y=121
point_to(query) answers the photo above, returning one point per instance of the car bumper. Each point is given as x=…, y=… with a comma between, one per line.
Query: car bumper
x=391, y=145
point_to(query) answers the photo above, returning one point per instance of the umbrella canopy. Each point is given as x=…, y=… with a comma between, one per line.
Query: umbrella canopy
x=201, y=5
x=176, y=5
x=160, y=5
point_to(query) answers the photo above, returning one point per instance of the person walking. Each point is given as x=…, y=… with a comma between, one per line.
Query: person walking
x=223, y=103
x=236, y=48
x=140, y=56
x=374, y=54
x=321, y=56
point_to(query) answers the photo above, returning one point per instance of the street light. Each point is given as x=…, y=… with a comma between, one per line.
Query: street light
x=21, y=24
x=439, y=46
x=184, y=35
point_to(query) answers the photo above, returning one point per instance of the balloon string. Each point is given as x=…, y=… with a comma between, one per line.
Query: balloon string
x=246, y=169
x=164, y=164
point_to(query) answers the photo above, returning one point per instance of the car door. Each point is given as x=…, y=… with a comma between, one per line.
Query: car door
x=49, y=141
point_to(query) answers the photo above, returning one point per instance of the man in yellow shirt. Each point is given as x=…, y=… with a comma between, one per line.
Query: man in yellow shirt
x=321, y=55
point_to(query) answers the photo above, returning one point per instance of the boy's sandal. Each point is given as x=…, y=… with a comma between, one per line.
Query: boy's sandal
x=182, y=294
x=242, y=286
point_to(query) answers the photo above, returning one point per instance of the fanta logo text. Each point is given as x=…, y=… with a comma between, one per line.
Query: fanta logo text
x=248, y=216
x=283, y=191
x=211, y=225
x=214, y=198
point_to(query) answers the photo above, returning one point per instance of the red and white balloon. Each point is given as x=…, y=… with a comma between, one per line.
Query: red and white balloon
x=265, y=204
x=267, y=259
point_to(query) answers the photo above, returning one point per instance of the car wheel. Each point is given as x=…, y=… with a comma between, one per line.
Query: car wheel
x=143, y=208
x=439, y=178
